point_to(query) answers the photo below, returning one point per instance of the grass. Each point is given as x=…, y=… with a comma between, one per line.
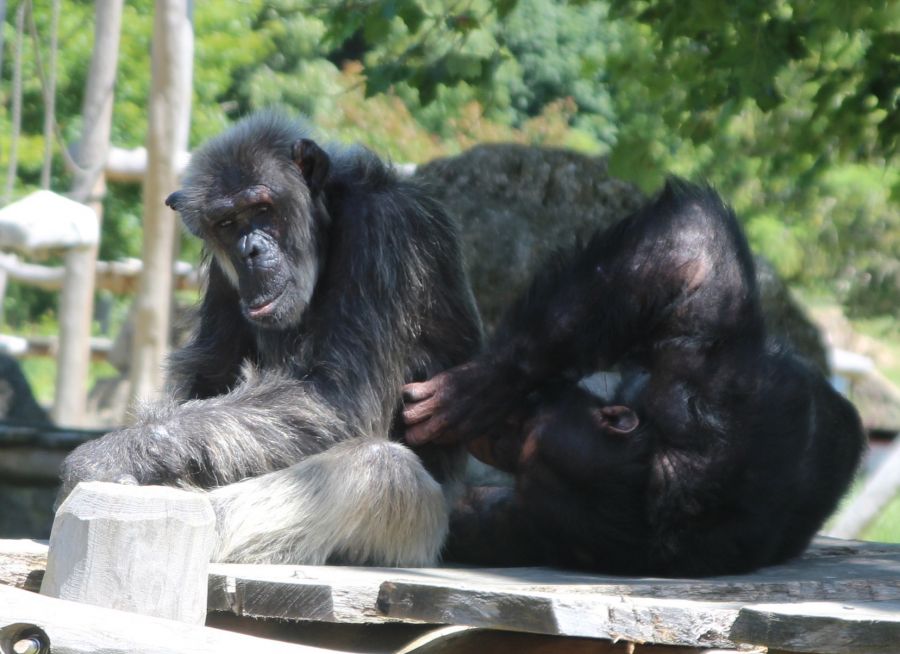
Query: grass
x=886, y=527
x=41, y=375
x=885, y=330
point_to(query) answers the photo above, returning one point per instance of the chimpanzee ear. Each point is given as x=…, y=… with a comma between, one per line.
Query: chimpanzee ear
x=312, y=161
x=175, y=200
x=618, y=419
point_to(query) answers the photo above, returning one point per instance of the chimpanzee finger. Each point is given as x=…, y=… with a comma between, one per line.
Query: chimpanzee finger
x=417, y=392
x=417, y=412
x=424, y=432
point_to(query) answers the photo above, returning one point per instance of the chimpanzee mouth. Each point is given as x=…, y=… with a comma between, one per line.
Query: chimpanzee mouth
x=264, y=309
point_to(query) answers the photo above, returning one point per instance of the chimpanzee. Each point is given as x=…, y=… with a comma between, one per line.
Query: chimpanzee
x=720, y=451
x=331, y=282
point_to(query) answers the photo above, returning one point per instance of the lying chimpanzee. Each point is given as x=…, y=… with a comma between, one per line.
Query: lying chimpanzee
x=719, y=452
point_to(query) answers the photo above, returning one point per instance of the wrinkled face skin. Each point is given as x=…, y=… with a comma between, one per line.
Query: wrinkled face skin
x=249, y=235
x=263, y=227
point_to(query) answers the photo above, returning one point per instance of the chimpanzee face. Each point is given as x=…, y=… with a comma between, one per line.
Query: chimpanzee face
x=257, y=212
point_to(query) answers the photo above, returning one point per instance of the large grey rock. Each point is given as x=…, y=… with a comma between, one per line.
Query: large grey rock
x=518, y=205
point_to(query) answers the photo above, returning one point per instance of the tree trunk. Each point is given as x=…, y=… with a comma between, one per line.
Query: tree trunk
x=89, y=186
x=170, y=97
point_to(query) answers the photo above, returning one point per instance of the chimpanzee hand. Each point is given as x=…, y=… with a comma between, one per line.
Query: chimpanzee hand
x=112, y=458
x=471, y=404
x=428, y=410
x=90, y=462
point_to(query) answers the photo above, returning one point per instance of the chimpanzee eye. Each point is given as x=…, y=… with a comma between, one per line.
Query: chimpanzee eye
x=223, y=224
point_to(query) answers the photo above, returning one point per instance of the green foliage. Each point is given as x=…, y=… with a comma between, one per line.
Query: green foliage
x=779, y=241
x=788, y=106
x=559, y=51
x=838, y=59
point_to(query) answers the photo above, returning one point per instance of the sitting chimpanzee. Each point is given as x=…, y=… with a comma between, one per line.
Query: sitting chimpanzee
x=330, y=282
x=720, y=451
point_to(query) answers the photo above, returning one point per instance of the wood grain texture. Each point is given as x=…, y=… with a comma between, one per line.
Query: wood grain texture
x=700, y=613
x=822, y=628
x=22, y=563
x=74, y=628
x=144, y=549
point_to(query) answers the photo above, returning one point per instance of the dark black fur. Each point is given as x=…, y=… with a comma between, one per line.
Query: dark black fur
x=719, y=452
x=333, y=279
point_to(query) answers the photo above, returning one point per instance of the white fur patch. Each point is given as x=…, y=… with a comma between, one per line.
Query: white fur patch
x=361, y=502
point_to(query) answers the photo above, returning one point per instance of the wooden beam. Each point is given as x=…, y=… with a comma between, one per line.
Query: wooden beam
x=130, y=165
x=703, y=614
x=822, y=627
x=76, y=628
x=464, y=640
x=172, y=53
x=115, y=276
x=22, y=563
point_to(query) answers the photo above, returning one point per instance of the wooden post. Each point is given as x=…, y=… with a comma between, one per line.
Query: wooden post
x=76, y=303
x=89, y=186
x=170, y=98
x=143, y=549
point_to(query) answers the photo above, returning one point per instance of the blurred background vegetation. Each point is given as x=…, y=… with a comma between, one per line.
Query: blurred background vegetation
x=789, y=107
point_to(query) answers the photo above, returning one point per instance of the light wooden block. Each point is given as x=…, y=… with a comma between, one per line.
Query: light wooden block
x=143, y=549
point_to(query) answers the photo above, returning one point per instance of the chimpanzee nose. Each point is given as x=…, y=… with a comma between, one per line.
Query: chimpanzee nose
x=249, y=246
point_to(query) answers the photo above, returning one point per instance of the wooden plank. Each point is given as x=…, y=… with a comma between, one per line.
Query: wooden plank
x=120, y=276
x=144, y=549
x=636, y=619
x=326, y=593
x=822, y=627
x=679, y=612
x=464, y=640
x=831, y=570
x=76, y=628
x=22, y=563
x=357, y=638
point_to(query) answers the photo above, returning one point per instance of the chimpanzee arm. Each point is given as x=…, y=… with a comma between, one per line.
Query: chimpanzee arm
x=252, y=429
x=675, y=276
x=550, y=336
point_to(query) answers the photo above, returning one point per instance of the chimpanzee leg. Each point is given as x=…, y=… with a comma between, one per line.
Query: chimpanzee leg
x=489, y=527
x=362, y=502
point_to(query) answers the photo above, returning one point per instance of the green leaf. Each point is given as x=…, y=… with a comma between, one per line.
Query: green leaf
x=463, y=22
x=412, y=15
x=376, y=29
x=505, y=7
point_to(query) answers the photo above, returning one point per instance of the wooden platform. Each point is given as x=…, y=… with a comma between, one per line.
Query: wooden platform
x=842, y=597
